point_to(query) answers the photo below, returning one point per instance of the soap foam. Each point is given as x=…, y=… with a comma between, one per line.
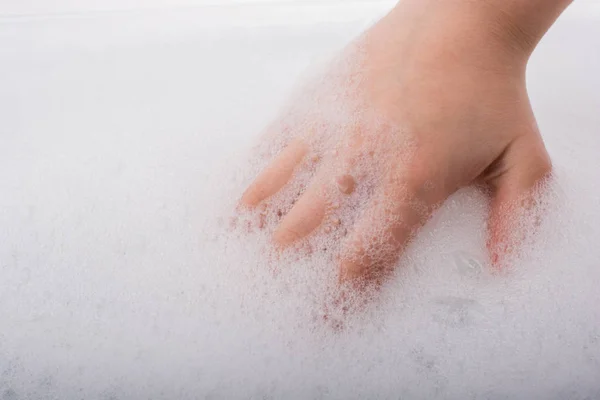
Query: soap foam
x=122, y=278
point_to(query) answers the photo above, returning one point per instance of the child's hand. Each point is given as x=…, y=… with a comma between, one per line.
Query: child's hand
x=444, y=83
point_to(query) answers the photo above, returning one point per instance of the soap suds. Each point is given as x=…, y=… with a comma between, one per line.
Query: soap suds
x=121, y=277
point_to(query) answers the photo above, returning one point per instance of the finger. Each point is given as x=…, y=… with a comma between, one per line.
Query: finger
x=276, y=175
x=524, y=166
x=384, y=229
x=306, y=215
x=331, y=184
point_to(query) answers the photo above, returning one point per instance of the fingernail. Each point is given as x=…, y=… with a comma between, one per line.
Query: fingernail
x=345, y=184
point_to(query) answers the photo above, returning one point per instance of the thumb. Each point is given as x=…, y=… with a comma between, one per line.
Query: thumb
x=518, y=175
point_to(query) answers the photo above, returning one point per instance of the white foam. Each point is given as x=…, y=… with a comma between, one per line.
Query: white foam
x=119, y=279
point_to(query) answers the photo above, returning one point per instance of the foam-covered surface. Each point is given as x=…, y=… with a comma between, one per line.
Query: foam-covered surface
x=122, y=142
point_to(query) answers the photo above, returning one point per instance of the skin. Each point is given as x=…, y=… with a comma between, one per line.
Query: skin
x=462, y=64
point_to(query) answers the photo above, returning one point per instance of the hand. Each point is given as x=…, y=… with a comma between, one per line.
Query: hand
x=430, y=100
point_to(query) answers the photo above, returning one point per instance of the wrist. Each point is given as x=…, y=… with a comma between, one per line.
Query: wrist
x=521, y=24
x=508, y=30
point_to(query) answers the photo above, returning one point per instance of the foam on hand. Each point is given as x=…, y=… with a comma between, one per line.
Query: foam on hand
x=121, y=276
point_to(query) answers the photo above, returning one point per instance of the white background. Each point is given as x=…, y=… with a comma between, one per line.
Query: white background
x=252, y=12
x=37, y=7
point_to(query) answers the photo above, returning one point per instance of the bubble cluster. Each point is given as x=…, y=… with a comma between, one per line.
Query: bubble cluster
x=332, y=162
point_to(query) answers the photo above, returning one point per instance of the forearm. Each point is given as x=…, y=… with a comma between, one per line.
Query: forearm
x=526, y=20
x=520, y=23
x=493, y=35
